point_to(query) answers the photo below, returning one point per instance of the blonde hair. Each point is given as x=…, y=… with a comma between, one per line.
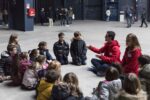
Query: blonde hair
x=54, y=65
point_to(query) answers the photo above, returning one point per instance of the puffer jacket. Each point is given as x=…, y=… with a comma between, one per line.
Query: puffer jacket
x=44, y=90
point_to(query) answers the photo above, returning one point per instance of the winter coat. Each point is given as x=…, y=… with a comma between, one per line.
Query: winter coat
x=122, y=95
x=46, y=53
x=78, y=50
x=106, y=90
x=111, y=52
x=61, y=51
x=62, y=91
x=44, y=90
x=5, y=63
x=24, y=64
x=30, y=78
x=143, y=16
x=130, y=61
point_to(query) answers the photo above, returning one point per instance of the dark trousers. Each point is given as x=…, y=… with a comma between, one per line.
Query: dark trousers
x=129, y=22
x=62, y=59
x=144, y=22
x=100, y=65
x=62, y=20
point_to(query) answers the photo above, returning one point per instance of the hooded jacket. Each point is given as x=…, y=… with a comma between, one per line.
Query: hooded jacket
x=44, y=90
x=130, y=60
x=111, y=52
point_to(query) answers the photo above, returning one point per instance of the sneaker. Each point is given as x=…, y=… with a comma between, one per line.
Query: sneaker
x=101, y=74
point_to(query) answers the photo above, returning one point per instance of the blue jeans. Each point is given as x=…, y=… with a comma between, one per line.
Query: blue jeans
x=100, y=65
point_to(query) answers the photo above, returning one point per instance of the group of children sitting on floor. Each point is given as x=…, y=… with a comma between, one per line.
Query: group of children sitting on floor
x=37, y=70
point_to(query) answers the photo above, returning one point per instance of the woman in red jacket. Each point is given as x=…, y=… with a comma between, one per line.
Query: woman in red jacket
x=133, y=51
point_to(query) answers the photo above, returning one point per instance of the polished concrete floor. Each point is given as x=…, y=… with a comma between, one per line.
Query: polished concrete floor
x=93, y=33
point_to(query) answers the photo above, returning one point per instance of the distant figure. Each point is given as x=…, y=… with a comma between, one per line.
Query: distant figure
x=143, y=18
x=70, y=15
x=128, y=17
x=5, y=17
x=42, y=16
x=50, y=16
x=108, y=14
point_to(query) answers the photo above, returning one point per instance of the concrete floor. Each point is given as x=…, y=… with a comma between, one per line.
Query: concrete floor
x=93, y=33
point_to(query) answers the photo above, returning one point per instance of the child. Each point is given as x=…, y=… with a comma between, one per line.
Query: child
x=78, y=50
x=61, y=49
x=131, y=89
x=144, y=73
x=30, y=78
x=107, y=89
x=5, y=63
x=132, y=53
x=24, y=63
x=54, y=65
x=68, y=90
x=13, y=40
x=45, y=86
x=44, y=51
x=34, y=54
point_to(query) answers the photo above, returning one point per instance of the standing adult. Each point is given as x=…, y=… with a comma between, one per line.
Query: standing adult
x=50, y=16
x=5, y=16
x=42, y=16
x=132, y=53
x=108, y=13
x=128, y=17
x=61, y=49
x=143, y=18
x=108, y=54
x=70, y=15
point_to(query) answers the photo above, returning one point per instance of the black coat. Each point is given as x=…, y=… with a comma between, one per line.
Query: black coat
x=61, y=49
x=78, y=49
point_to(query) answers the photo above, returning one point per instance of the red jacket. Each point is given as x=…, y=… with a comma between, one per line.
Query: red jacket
x=130, y=61
x=111, y=52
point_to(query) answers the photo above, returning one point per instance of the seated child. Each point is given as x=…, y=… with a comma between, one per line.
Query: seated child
x=44, y=51
x=30, y=78
x=78, y=50
x=45, y=86
x=68, y=90
x=61, y=49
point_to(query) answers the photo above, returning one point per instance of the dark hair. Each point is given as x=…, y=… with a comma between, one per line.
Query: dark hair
x=118, y=66
x=144, y=59
x=111, y=34
x=61, y=34
x=132, y=84
x=24, y=55
x=34, y=52
x=135, y=42
x=10, y=47
x=13, y=38
x=77, y=33
x=111, y=74
x=42, y=43
x=52, y=76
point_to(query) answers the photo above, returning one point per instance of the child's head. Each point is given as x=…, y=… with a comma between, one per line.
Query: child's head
x=41, y=59
x=61, y=36
x=132, y=41
x=110, y=35
x=42, y=45
x=71, y=78
x=24, y=55
x=13, y=39
x=111, y=74
x=34, y=53
x=52, y=76
x=132, y=84
x=77, y=35
x=143, y=60
x=12, y=49
x=55, y=65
